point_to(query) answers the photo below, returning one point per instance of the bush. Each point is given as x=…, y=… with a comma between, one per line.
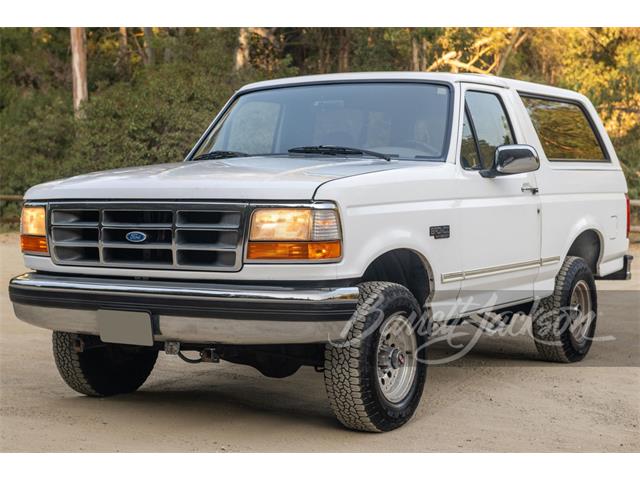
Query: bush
x=628, y=150
x=36, y=138
x=154, y=117
x=139, y=114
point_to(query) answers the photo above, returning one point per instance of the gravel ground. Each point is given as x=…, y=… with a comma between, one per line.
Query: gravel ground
x=500, y=397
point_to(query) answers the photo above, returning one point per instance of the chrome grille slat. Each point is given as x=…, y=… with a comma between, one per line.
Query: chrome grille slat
x=206, y=227
x=137, y=225
x=77, y=244
x=76, y=224
x=139, y=246
x=211, y=246
x=195, y=246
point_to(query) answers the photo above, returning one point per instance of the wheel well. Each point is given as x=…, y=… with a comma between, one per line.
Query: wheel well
x=587, y=246
x=404, y=267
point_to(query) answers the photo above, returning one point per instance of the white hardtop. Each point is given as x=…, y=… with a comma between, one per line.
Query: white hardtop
x=528, y=87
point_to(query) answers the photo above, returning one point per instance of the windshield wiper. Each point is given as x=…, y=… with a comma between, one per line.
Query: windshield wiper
x=338, y=150
x=218, y=154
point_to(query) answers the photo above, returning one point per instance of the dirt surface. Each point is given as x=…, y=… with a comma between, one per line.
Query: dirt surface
x=500, y=397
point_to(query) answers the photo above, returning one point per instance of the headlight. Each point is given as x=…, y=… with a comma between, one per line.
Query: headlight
x=33, y=230
x=294, y=234
x=281, y=224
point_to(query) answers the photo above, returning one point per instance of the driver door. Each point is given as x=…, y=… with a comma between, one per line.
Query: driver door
x=499, y=217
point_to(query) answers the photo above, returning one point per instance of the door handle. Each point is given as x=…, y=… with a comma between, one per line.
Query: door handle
x=528, y=188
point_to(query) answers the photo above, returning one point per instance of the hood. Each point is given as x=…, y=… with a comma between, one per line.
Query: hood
x=248, y=178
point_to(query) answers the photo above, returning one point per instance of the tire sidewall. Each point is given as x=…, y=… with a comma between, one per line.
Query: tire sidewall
x=396, y=300
x=554, y=340
x=578, y=351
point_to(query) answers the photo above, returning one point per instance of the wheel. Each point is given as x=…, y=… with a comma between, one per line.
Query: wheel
x=375, y=379
x=564, y=323
x=102, y=369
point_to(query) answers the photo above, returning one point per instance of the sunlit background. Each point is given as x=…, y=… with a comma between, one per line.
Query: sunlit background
x=144, y=95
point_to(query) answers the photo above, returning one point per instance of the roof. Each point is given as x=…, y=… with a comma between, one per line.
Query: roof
x=421, y=76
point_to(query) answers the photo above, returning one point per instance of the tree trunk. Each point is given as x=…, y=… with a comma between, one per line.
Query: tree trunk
x=123, y=51
x=415, y=51
x=324, y=42
x=242, y=51
x=505, y=55
x=343, y=53
x=424, y=54
x=79, y=69
x=149, y=51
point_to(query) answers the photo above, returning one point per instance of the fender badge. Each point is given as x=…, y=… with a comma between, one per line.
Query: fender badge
x=439, y=231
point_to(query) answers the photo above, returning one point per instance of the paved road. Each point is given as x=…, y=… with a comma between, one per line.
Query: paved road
x=498, y=398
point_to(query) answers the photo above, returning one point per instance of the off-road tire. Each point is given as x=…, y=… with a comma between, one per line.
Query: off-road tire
x=350, y=369
x=102, y=369
x=550, y=326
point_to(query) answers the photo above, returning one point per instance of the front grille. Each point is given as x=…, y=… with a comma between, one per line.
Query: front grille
x=188, y=236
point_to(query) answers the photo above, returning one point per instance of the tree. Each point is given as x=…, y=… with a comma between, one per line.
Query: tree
x=144, y=115
x=242, y=51
x=604, y=64
x=79, y=69
x=123, y=52
x=415, y=51
x=343, y=50
x=150, y=52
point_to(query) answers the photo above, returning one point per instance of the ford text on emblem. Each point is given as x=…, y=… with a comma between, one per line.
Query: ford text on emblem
x=136, y=237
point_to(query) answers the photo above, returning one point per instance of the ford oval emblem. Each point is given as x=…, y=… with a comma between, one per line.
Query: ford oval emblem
x=136, y=237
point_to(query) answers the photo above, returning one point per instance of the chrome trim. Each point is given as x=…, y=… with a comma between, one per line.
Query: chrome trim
x=175, y=208
x=452, y=277
x=549, y=261
x=192, y=329
x=321, y=205
x=515, y=166
x=132, y=288
x=496, y=270
x=627, y=266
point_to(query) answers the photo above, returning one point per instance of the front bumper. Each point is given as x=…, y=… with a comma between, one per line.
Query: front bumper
x=188, y=312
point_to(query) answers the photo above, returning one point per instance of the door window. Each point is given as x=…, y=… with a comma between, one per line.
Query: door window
x=469, y=148
x=489, y=127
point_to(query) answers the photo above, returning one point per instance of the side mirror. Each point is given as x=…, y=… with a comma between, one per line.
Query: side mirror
x=512, y=159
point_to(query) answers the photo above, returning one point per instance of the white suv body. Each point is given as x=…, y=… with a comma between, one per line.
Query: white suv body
x=474, y=242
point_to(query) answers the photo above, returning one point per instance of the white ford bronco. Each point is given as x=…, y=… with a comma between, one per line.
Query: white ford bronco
x=327, y=221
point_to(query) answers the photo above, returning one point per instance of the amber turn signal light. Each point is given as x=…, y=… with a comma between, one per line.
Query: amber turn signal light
x=294, y=250
x=34, y=244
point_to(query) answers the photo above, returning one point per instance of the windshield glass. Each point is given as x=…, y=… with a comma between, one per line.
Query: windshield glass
x=402, y=120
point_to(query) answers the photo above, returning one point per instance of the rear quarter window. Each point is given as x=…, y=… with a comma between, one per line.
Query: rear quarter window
x=564, y=130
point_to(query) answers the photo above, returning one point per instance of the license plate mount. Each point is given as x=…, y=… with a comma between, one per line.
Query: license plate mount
x=129, y=328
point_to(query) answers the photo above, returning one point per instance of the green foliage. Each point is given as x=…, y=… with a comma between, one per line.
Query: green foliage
x=140, y=113
x=36, y=135
x=628, y=151
x=153, y=117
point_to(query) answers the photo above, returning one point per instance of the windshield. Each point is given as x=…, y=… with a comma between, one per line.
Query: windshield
x=401, y=120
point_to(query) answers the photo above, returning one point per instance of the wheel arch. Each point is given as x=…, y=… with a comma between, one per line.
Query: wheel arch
x=587, y=243
x=406, y=267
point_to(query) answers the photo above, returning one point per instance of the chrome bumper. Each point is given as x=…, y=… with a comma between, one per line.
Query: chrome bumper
x=624, y=273
x=188, y=312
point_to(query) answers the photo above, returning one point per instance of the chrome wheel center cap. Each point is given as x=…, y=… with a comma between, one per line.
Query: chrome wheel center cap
x=398, y=358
